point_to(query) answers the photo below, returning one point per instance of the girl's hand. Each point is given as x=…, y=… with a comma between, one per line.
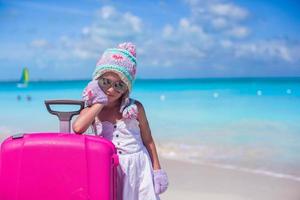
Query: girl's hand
x=93, y=94
x=160, y=181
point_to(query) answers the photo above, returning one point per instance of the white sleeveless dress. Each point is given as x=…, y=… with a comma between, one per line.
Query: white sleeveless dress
x=135, y=172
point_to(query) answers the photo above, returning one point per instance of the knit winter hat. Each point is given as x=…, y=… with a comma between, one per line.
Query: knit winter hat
x=121, y=60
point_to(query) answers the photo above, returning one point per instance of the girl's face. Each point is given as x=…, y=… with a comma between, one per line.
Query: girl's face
x=112, y=86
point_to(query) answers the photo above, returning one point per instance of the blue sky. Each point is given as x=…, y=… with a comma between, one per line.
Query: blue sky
x=175, y=39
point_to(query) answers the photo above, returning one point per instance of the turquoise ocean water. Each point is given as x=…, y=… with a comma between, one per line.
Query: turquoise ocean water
x=249, y=124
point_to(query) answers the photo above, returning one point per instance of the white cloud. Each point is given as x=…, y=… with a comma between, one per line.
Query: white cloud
x=228, y=10
x=86, y=31
x=239, y=32
x=229, y=25
x=134, y=21
x=212, y=33
x=184, y=23
x=39, y=43
x=167, y=31
x=109, y=18
x=219, y=22
x=186, y=26
x=106, y=31
x=265, y=50
x=106, y=12
x=112, y=22
x=194, y=33
x=226, y=43
x=225, y=18
x=82, y=53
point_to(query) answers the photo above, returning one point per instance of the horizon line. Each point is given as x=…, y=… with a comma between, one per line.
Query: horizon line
x=166, y=79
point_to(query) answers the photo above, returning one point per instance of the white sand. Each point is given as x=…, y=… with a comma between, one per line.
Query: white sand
x=193, y=181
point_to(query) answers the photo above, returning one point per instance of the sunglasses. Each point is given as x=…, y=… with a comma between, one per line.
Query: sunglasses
x=106, y=83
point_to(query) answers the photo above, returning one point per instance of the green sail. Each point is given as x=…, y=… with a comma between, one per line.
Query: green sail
x=25, y=76
x=23, y=83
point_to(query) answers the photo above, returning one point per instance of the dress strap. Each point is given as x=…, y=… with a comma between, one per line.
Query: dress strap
x=131, y=111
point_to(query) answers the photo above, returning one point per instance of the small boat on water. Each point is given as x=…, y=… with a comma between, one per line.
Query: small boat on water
x=24, y=81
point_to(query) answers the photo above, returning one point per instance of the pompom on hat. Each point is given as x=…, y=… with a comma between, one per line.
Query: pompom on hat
x=121, y=60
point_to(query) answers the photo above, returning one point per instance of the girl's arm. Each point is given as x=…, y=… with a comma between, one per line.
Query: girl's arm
x=86, y=118
x=147, y=137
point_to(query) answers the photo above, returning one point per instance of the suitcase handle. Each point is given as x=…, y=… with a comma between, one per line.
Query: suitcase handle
x=64, y=117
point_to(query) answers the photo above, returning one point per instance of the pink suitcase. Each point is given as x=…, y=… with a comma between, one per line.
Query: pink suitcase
x=58, y=166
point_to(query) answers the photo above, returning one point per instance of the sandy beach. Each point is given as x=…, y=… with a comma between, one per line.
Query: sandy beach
x=207, y=182
x=195, y=181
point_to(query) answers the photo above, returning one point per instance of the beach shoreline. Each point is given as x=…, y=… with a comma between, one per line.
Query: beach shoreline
x=197, y=181
x=215, y=182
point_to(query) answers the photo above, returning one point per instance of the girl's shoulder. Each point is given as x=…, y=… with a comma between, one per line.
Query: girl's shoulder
x=140, y=111
x=132, y=101
x=136, y=102
x=132, y=110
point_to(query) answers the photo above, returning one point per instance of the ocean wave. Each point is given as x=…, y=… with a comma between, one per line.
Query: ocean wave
x=218, y=157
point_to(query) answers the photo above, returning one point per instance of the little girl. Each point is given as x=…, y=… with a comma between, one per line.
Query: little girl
x=123, y=121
